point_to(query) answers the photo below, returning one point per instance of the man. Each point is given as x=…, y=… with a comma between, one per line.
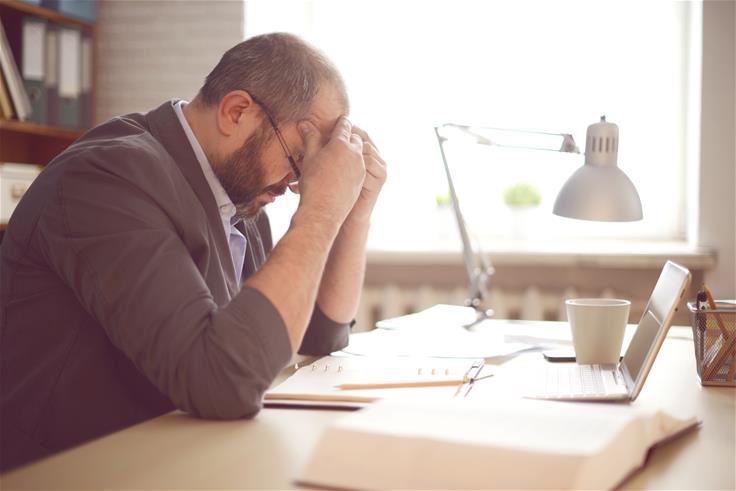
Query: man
x=137, y=271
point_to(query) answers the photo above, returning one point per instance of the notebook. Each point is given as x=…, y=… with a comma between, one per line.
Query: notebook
x=355, y=381
x=625, y=380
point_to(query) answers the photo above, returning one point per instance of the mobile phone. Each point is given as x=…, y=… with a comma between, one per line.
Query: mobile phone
x=559, y=355
x=562, y=355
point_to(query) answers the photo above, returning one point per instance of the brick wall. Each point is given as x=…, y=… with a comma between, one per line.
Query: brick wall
x=154, y=50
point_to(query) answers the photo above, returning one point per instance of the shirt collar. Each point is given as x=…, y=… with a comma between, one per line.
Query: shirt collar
x=225, y=205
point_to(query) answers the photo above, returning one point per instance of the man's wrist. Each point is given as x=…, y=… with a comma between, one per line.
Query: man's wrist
x=356, y=221
x=324, y=224
x=361, y=213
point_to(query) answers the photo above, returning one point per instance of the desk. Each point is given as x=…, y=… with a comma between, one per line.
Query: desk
x=175, y=451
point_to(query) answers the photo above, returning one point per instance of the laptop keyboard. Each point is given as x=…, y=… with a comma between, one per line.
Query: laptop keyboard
x=575, y=380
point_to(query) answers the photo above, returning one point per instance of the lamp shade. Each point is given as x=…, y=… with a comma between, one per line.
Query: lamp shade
x=599, y=190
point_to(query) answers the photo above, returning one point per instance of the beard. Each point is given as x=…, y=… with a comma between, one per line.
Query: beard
x=243, y=174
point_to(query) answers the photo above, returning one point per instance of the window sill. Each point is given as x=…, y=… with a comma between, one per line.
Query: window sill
x=603, y=254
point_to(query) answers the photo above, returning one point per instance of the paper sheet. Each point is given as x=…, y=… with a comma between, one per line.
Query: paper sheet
x=439, y=332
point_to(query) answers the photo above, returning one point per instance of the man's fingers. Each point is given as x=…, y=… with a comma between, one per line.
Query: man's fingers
x=355, y=139
x=310, y=135
x=365, y=136
x=370, y=150
x=343, y=129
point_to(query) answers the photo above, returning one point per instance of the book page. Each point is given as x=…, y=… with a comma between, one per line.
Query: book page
x=539, y=426
x=507, y=443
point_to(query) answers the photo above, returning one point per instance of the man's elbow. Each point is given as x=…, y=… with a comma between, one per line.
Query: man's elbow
x=231, y=403
x=226, y=410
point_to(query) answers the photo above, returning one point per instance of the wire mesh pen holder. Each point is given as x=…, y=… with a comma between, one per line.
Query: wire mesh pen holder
x=714, y=335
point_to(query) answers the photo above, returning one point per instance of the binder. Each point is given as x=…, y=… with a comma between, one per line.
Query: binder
x=16, y=89
x=85, y=96
x=52, y=75
x=70, y=74
x=32, y=47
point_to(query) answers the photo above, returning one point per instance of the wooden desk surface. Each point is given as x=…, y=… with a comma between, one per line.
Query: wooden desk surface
x=176, y=451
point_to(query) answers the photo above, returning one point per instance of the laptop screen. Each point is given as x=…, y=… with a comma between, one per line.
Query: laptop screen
x=655, y=321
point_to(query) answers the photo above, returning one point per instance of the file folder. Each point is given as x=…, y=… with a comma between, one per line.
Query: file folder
x=52, y=75
x=70, y=74
x=85, y=96
x=33, y=66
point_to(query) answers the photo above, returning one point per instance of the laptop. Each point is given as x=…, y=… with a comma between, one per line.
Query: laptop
x=572, y=382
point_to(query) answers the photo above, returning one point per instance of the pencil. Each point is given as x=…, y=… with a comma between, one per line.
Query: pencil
x=403, y=385
x=713, y=306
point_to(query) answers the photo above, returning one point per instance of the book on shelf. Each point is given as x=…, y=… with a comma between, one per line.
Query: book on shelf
x=13, y=80
x=48, y=72
x=355, y=381
x=6, y=106
x=507, y=443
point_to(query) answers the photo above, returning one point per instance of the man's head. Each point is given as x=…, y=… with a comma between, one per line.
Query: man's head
x=274, y=74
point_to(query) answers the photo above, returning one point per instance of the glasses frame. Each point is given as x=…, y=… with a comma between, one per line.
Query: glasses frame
x=282, y=141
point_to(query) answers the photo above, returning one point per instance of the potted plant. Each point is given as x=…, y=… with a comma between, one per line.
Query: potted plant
x=521, y=198
x=445, y=224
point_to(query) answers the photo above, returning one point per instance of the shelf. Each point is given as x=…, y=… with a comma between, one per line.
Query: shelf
x=48, y=14
x=39, y=129
x=33, y=143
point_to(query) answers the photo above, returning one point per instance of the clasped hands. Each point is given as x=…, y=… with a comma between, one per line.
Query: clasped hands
x=343, y=176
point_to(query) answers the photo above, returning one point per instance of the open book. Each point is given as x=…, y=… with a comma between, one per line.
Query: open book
x=512, y=443
x=354, y=381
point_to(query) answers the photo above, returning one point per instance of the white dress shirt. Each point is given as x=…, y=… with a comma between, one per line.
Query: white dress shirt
x=235, y=238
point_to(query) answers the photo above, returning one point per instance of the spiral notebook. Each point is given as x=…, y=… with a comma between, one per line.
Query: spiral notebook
x=353, y=382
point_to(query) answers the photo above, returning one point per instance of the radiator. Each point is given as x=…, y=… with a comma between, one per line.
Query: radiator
x=530, y=304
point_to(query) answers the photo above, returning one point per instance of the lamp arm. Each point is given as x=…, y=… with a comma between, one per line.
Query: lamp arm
x=567, y=142
x=477, y=275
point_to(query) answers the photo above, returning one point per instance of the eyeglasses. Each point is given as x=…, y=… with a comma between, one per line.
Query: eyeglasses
x=287, y=152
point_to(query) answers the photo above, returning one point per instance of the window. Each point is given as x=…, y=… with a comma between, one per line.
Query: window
x=548, y=66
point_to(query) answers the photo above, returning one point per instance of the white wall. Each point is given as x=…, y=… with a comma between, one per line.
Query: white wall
x=155, y=50
x=717, y=211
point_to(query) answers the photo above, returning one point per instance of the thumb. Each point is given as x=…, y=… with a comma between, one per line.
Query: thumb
x=311, y=137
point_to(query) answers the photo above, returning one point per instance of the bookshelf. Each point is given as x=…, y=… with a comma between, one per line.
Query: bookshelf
x=33, y=143
x=27, y=142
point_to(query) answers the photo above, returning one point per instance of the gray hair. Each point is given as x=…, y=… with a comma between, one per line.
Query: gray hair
x=280, y=70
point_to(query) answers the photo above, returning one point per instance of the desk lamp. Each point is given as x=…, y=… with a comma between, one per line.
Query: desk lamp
x=598, y=190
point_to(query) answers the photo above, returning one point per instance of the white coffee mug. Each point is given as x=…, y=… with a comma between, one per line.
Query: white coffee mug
x=598, y=326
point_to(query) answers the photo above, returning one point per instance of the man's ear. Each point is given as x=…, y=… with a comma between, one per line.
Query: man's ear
x=236, y=113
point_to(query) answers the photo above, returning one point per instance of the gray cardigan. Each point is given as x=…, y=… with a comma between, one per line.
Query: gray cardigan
x=119, y=300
